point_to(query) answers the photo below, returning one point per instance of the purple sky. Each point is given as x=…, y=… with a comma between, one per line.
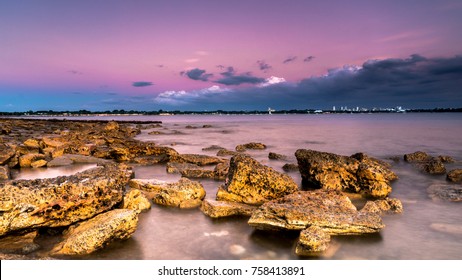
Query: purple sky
x=206, y=55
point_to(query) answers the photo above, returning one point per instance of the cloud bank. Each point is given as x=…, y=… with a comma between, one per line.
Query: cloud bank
x=142, y=84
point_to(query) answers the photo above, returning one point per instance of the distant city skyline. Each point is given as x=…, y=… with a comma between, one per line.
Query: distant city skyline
x=229, y=55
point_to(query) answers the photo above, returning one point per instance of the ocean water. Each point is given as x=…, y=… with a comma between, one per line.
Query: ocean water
x=427, y=229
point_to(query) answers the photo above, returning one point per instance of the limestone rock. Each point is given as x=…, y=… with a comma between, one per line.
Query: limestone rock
x=60, y=201
x=290, y=167
x=200, y=160
x=212, y=148
x=253, y=183
x=454, y=176
x=183, y=194
x=418, y=156
x=6, y=153
x=136, y=200
x=28, y=159
x=189, y=170
x=446, y=159
x=4, y=172
x=330, y=210
x=383, y=206
x=219, y=209
x=357, y=173
x=60, y=161
x=276, y=156
x=19, y=243
x=38, y=163
x=250, y=146
x=221, y=170
x=32, y=143
x=110, y=126
x=94, y=234
x=312, y=240
x=447, y=192
x=435, y=167
x=225, y=152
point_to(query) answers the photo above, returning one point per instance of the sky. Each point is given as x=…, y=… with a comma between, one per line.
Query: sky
x=229, y=55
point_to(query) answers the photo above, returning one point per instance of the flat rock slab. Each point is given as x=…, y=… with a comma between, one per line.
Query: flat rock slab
x=253, y=183
x=183, y=194
x=331, y=211
x=94, y=234
x=219, y=209
x=61, y=201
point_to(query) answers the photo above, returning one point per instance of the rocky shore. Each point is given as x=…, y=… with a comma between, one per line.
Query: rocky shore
x=89, y=210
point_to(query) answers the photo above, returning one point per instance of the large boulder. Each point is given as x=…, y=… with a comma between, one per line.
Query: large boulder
x=183, y=194
x=357, y=173
x=94, y=234
x=219, y=209
x=253, y=183
x=330, y=210
x=61, y=201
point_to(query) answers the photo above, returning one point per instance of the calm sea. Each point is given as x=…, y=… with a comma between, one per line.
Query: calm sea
x=426, y=230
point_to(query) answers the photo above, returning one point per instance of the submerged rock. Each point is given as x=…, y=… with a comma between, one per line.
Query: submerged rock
x=357, y=173
x=219, y=209
x=290, y=167
x=136, y=200
x=330, y=210
x=429, y=164
x=61, y=201
x=454, y=176
x=94, y=234
x=447, y=192
x=183, y=194
x=418, y=156
x=19, y=243
x=200, y=160
x=251, y=182
x=225, y=152
x=189, y=170
x=250, y=146
x=312, y=240
x=213, y=148
x=276, y=156
x=383, y=206
x=435, y=167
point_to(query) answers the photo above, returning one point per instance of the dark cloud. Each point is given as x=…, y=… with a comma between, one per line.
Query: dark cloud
x=142, y=84
x=197, y=74
x=229, y=78
x=308, y=58
x=74, y=72
x=414, y=82
x=263, y=65
x=290, y=59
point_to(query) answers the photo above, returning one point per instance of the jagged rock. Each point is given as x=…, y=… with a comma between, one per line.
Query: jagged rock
x=435, y=167
x=110, y=126
x=253, y=183
x=290, y=167
x=446, y=159
x=330, y=210
x=183, y=194
x=56, y=142
x=357, y=173
x=94, y=234
x=312, y=240
x=454, y=176
x=212, y=148
x=250, y=146
x=200, y=160
x=383, y=206
x=136, y=200
x=32, y=143
x=38, y=163
x=276, y=156
x=447, y=192
x=60, y=201
x=28, y=159
x=219, y=209
x=221, y=170
x=6, y=153
x=418, y=156
x=19, y=243
x=4, y=172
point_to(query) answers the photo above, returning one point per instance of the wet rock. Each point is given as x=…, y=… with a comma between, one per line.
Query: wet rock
x=225, y=152
x=446, y=159
x=251, y=182
x=250, y=146
x=312, y=240
x=19, y=243
x=446, y=192
x=200, y=160
x=94, y=234
x=55, y=142
x=4, y=172
x=6, y=153
x=28, y=159
x=32, y=143
x=39, y=163
x=276, y=156
x=330, y=210
x=111, y=126
x=177, y=167
x=418, y=156
x=219, y=209
x=189, y=170
x=183, y=194
x=212, y=148
x=155, y=132
x=207, y=126
x=454, y=176
x=136, y=200
x=221, y=170
x=356, y=174
x=435, y=167
x=60, y=201
x=60, y=161
x=290, y=167
x=383, y=206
